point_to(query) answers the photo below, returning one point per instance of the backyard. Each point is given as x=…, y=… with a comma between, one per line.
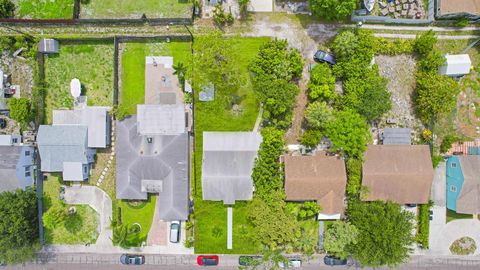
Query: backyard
x=43, y=9
x=76, y=61
x=132, y=87
x=211, y=217
x=112, y=9
x=79, y=228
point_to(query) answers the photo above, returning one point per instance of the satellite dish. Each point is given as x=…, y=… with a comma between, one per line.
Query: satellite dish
x=75, y=88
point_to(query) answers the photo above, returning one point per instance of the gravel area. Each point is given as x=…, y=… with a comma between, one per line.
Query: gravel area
x=400, y=72
x=21, y=72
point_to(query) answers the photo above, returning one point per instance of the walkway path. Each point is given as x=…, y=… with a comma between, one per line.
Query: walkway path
x=100, y=202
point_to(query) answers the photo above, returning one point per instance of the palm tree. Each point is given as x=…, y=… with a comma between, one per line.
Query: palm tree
x=180, y=71
x=120, y=234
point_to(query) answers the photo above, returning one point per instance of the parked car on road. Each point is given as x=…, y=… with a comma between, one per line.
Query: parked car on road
x=207, y=260
x=132, y=259
x=175, y=231
x=292, y=263
x=324, y=57
x=249, y=260
x=332, y=261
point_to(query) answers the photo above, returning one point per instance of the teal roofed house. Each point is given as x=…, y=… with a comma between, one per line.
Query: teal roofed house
x=463, y=184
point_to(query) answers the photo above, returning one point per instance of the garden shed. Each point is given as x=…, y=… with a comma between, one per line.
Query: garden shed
x=48, y=45
x=456, y=65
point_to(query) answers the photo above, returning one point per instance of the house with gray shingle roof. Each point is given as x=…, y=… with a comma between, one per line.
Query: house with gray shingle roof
x=16, y=167
x=96, y=119
x=228, y=159
x=64, y=148
x=152, y=158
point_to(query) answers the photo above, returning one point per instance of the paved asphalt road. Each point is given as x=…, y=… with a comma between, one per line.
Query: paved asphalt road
x=181, y=262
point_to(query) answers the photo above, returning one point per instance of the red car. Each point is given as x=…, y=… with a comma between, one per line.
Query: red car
x=207, y=260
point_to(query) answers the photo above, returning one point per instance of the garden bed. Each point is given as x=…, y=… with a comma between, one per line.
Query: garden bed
x=92, y=64
x=131, y=9
x=463, y=246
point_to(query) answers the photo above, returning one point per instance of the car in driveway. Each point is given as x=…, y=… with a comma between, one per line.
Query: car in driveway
x=332, y=261
x=324, y=57
x=132, y=259
x=291, y=263
x=175, y=231
x=249, y=260
x=207, y=260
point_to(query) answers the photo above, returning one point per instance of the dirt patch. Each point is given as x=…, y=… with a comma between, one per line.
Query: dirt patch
x=400, y=73
x=20, y=70
x=469, y=107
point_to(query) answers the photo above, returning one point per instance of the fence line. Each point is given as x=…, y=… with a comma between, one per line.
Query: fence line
x=384, y=19
x=103, y=22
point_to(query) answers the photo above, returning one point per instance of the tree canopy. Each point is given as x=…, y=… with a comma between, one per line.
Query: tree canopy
x=322, y=83
x=425, y=42
x=436, y=94
x=318, y=114
x=332, y=9
x=338, y=235
x=385, y=233
x=6, y=8
x=20, y=110
x=18, y=226
x=348, y=133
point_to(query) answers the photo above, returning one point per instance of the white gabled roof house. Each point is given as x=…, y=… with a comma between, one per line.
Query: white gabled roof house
x=456, y=65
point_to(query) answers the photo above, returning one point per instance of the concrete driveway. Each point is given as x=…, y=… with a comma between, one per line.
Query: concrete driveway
x=100, y=202
x=442, y=234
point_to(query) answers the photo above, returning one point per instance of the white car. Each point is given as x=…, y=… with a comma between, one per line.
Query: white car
x=292, y=263
x=175, y=231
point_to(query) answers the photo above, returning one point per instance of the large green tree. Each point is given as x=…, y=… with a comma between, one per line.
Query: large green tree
x=20, y=110
x=345, y=45
x=322, y=83
x=348, y=133
x=385, y=233
x=435, y=95
x=318, y=114
x=215, y=61
x=18, y=226
x=333, y=9
x=338, y=235
x=6, y=9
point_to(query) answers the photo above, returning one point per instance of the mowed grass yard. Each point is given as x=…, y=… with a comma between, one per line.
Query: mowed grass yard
x=142, y=215
x=92, y=64
x=134, y=9
x=80, y=228
x=132, y=89
x=211, y=217
x=43, y=9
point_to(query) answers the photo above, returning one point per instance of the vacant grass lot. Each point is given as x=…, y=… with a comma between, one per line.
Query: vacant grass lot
x=111, y=9
x=44, y=9
x=211, y=217
x=133, y=68
x=92, y=64
x=142, y=215
x=80, y=228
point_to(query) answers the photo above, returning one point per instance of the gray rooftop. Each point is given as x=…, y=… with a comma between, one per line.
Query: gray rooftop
x=63, y=143
x=161, y=119
x=16, y=167
x=48, y=45
x=228, y=159
x=95, y=118
x=153, y=164
x=397, y=136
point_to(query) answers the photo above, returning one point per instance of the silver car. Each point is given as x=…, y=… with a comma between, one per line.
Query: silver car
x=175, y=231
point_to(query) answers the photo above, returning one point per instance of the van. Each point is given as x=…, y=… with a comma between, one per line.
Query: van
x=175, y=231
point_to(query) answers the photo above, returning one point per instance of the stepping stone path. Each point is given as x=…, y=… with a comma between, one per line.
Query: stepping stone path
x=109, y=163
x=411, y=9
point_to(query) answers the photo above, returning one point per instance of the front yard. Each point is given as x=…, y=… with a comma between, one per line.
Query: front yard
x=43, y=9
x=91, y=63
x=138, y=213
x=113, y=9
x=211, y=217
x=79, y=228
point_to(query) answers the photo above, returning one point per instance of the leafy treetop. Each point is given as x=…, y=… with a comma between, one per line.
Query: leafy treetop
x=332, y=9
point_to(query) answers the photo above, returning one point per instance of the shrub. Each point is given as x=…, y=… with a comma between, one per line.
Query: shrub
x=308, y=210
x=463, y=246
x=395, y=47
x=345, y=45
x=332, y=9
x=354, y=175
x=425, y=42
x=431, y=62
x=6, y=9
x=322, y=83
x=318, y=114
x=462, y=22
x=436, y=159
x=423, y=224
x=447, y=143
x=20, y=110
x=311, y=138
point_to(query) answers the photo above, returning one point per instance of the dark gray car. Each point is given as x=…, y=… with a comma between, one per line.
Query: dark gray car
x=132, y=259
x=324, y=57
x=332, y=261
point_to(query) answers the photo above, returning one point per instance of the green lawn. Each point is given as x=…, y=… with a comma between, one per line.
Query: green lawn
x=92, y=64
x=211, y=217
x=451, y=215
x=133, y=68
x=111, y=9
x=143, y=215
x=80, y=228
x=44, y=9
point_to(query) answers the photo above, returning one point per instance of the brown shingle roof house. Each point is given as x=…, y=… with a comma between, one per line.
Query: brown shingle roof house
x=456, y=8
x=398, y=173
x=318, y=178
